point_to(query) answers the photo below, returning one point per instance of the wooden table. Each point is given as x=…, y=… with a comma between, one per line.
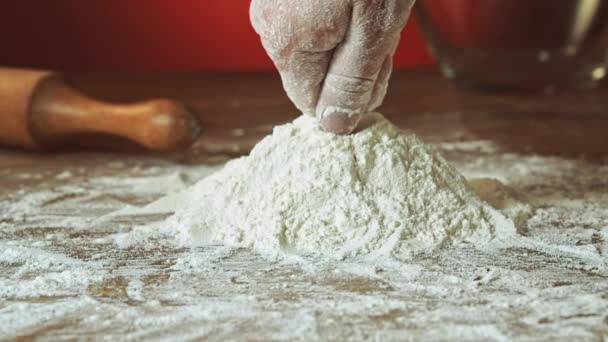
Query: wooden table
x=570, y=124
x=49, y=202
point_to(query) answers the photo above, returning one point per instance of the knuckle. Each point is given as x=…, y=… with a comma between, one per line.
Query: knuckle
x=259, y=15
x=386, y=16
x=349, y=84
x=310, y=26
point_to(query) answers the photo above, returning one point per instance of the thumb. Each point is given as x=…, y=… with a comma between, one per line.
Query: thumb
x=349, y=85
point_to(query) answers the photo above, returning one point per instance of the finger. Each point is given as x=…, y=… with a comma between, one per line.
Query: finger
x=340, y=123
x=381, y=87
x=302, y=74
x=300, y=37
x=356, y=66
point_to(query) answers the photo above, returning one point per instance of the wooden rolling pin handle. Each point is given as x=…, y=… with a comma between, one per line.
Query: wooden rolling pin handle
x=17, y=87
x=39, y=110
x=57, y=112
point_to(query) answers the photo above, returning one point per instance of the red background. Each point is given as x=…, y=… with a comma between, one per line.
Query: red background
x=145, y=35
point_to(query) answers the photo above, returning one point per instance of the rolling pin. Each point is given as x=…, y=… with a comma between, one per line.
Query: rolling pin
x=38, y=110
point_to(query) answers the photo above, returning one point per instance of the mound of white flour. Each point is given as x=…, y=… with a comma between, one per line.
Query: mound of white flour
x=305, y=191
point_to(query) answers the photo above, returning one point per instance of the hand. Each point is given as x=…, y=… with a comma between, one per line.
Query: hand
x=335, y=57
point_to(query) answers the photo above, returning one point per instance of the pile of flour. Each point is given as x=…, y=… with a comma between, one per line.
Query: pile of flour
x=377, y=192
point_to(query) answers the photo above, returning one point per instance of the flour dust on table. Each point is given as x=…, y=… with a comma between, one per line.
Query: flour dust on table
x=62, y=276
x=378, y=192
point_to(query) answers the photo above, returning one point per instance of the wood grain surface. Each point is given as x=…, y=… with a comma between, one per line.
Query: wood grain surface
x=568, y=124
x=51, y=203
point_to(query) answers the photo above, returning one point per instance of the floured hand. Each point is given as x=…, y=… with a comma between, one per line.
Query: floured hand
x=335, y=56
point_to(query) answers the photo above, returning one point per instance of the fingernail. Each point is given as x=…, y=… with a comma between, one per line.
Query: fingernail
x=339, y=122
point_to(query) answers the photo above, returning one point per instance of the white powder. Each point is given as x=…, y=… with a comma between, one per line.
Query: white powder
x=60, y=279
x=55, y=274
x=378, y=192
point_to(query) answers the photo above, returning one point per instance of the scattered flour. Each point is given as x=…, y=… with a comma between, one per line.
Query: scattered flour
x=42, y=273
x=378, y=192
x=61, y=279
